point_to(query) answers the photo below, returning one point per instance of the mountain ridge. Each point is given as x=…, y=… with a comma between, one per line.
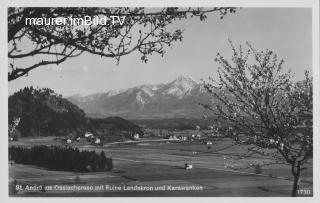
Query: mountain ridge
x=178, y=98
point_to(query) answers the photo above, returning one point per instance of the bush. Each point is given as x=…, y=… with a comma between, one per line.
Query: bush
x=77, y=178
x=258, y=169
x=110, y=163
x=61, y=158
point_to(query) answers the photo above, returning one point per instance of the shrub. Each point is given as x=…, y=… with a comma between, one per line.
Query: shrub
x=77, y=178
x=257, y=169
x=109, y=163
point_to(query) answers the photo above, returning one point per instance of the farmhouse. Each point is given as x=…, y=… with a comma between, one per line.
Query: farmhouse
x=197, y=127
x=188, y=166
x=183, y=138
x=208, y=142
x=97, y=141
x=173, y=137
x=136, y=136
x=88, y=134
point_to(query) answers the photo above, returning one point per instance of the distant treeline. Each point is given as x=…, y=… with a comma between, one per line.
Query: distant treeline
x=61, y=158
x=174, y=123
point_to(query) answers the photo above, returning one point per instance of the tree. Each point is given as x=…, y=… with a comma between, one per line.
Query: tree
x=142, y=30
x=258, y=99
x=54, y=115
x=60, y=158
x=102, y=160
x=109, y=164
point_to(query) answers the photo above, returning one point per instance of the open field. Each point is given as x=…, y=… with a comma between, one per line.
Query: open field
x=161, y=166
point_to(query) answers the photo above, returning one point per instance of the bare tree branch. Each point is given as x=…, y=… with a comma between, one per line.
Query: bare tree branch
x=110, y=41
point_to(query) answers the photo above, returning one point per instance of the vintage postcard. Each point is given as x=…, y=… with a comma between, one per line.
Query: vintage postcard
x=161, y=100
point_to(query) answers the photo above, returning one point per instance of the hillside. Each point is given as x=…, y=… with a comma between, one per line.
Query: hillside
x=112, y=124
x=42, y=112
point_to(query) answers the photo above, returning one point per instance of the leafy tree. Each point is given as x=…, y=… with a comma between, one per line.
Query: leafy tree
x=143, y=30
x=109, y=163
x=258, y=99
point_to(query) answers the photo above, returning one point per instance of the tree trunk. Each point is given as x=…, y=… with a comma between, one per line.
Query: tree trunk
x=296, y=172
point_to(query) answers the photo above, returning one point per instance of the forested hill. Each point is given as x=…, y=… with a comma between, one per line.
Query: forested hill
x=42, y=112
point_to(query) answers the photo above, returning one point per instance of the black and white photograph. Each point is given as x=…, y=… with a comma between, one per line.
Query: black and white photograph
x=161, y=101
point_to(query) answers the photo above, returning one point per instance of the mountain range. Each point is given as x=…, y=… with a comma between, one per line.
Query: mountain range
x=177, y=99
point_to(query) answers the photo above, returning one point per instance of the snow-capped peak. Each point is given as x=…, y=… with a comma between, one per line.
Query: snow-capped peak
x=184, y=79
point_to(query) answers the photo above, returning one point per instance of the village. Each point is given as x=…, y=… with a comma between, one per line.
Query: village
x=183, y=159
x=206, y=137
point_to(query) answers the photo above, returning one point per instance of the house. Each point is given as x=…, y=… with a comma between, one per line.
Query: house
x=78, y=138
x=173, y=137
x=88, y=134
x=188, y=166
x=281, y=146
x=97, y=141
x=183, y=138
x=208, y=142
x=136, y=136
x=69, y=141
x=272, y=141
x=197, y=127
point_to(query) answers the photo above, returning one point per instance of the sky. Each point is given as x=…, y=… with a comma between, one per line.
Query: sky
x=286, y=31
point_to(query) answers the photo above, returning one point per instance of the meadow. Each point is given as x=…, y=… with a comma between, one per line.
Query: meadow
x=226, y=169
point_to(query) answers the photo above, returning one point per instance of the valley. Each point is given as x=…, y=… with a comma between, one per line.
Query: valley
x=220, y=171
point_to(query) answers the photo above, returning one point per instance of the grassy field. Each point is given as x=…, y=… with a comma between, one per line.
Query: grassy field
x=161, y=165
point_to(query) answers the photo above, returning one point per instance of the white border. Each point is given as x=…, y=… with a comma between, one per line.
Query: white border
x=152, y=3
x=162, y=3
